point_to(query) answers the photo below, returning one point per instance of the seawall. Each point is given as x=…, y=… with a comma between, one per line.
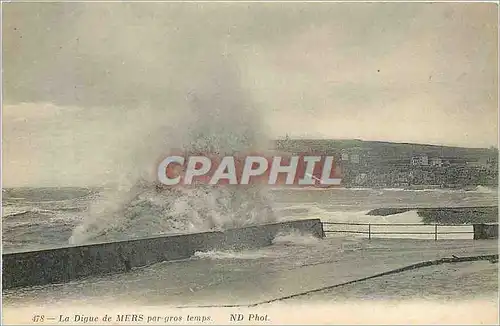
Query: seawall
x=66, y=264
x=445, y=215
x=485, y=231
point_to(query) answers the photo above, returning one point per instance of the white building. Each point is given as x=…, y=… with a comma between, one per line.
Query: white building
x=436, y=161
x=420, y=160
x=424, y=160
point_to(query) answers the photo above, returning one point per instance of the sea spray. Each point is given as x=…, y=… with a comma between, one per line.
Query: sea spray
x=295, y=237
x=219, y=118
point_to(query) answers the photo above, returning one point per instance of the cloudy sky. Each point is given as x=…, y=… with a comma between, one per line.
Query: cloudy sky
x=85, y=83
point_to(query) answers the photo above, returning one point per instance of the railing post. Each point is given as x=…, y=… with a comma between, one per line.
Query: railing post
x=435, y=232
x=369, y=231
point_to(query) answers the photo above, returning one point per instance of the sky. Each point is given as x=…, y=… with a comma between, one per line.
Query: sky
x=88, y=87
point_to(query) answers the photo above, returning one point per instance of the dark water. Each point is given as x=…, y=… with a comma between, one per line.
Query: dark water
x=36, y=218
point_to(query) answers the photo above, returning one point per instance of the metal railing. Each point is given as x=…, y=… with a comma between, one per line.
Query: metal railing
x=369, y=231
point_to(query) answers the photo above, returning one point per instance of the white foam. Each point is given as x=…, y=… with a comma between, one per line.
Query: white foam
x=244, y=255
x=485, y=190
x=8, y=212
x=147, y=212
x=296, y=237
x=415, y=225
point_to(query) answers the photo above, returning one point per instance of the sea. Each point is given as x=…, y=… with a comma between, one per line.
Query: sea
x=40, y=218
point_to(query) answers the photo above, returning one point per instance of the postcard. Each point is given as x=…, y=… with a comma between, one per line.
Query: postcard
x=249, y=163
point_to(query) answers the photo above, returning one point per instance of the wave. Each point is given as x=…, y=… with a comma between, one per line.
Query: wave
x=18, y=200
x=391, y=226
x=15, y=198
x=32, y=212
x=477, y=189
x=286, y=238
x=295, y=237
x=410, y=217
x=440, y=190
x=325, y=189
x=206, y=123
x=169, y=211
x=44, y=195
x=297, y=209
x=485, y=190
x=380, y=191
x=26, y=201
x=233, y=255
x=53, y=221
x=16, y=214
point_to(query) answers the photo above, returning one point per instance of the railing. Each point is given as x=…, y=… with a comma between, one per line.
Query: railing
x=369, y=231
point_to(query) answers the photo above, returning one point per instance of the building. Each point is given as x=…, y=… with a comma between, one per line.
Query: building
x=420, y=160
x=481, y=162
x=354, y=155
x=436, y=161
x=475, y=164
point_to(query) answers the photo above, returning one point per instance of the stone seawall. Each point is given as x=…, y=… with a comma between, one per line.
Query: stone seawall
x=485, y=231
x=65, y=264
x=445, y=215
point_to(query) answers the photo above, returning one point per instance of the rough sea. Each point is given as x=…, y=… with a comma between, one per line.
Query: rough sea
x=38, y=218
x=34, y=219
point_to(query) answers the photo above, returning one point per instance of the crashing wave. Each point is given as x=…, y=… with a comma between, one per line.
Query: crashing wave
x=219, y=118
x=152, y=212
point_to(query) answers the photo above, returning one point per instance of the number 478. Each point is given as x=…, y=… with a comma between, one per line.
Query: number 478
x=38, y=318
